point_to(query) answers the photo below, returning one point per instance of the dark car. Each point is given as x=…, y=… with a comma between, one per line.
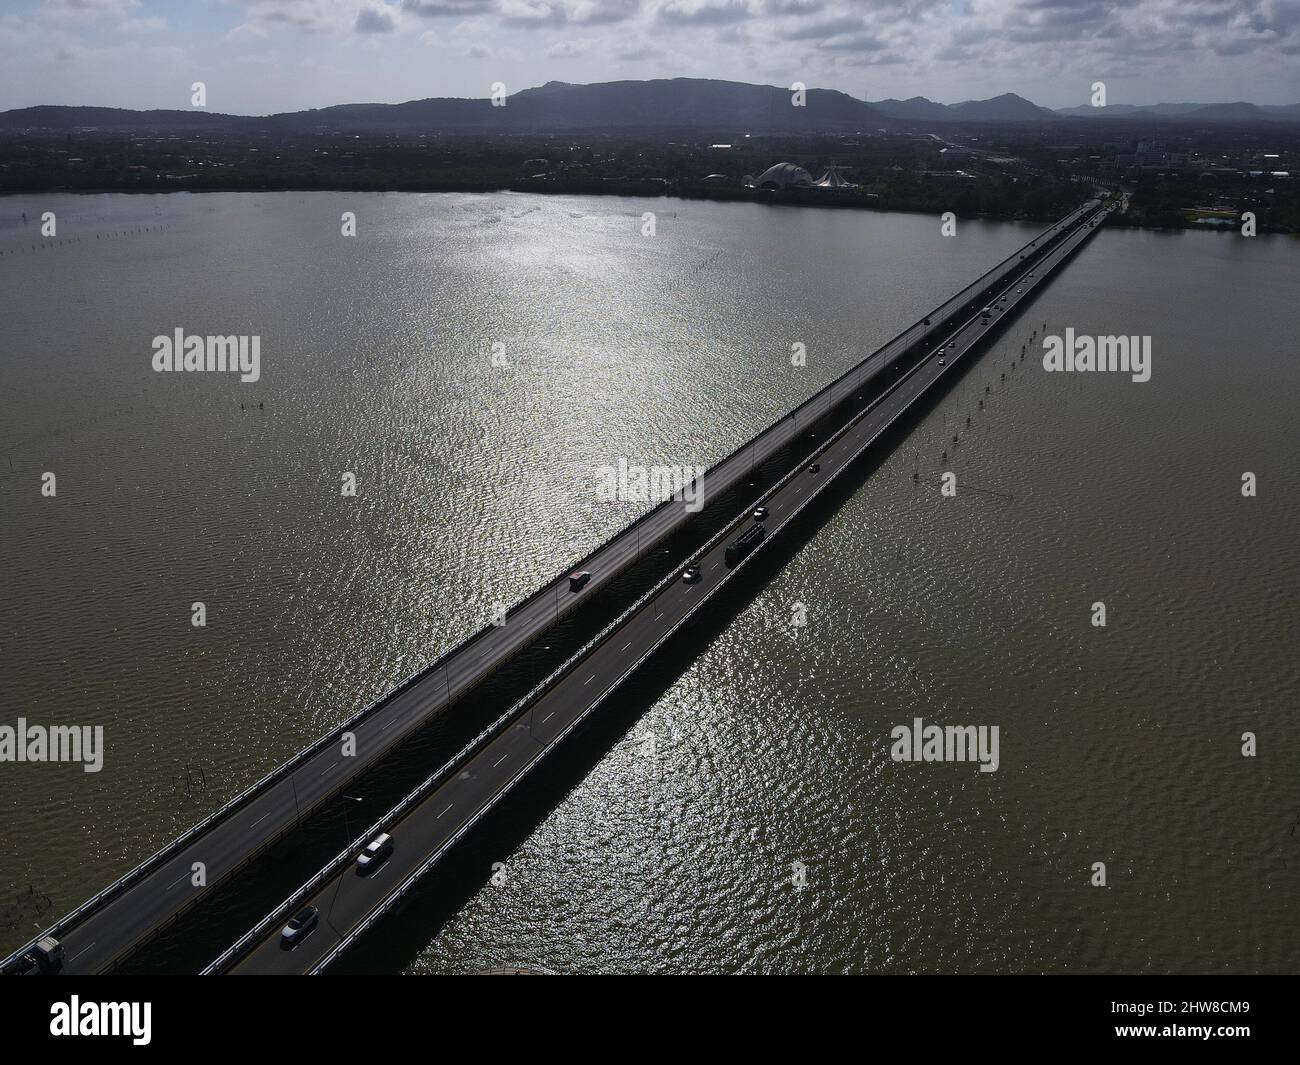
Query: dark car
x=759, y=513
x=691, y=575
x=744, y=544
x=299, y=926
x=578, y=580
x=816, y=467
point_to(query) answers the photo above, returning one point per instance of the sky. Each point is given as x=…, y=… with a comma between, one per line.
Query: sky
x=264, y=56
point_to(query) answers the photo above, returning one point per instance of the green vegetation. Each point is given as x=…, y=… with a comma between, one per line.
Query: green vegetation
x=895, y=172
x=1175, y=203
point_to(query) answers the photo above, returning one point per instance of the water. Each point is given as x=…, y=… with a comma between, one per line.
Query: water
x=677, y=849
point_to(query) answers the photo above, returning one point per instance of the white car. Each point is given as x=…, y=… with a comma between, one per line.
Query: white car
x=376, y=851
x=300, y=926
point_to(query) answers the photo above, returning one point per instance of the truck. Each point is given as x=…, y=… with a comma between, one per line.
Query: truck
x=45, y=956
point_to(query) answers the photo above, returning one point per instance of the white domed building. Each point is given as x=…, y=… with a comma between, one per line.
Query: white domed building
x=784, y=176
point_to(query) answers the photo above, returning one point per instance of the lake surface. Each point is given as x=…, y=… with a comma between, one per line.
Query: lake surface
x=751, y=819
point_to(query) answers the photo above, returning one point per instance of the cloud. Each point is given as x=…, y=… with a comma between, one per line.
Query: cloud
x=641, y=52
x=568, y=49
x=448, y=8
x=602, y=12
x=1050, y=50
x=852, y=42
x=794, y=7
x=89, y=9
x=703, y=12
x=375, y=20
x=813, y=31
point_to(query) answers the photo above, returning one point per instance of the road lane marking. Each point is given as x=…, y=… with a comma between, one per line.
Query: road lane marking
x=625, y=646
x=589, y=680
x=80, y=953
x=501, y=759
x=444, y=811
x=548, y=717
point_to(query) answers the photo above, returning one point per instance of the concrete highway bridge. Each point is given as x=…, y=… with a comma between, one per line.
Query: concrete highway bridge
x=847, y=415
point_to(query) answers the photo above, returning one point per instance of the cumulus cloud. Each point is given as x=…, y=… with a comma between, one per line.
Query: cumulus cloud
x=703, y=12
x=446, y=8
x=375, y=20
x=1049, y=50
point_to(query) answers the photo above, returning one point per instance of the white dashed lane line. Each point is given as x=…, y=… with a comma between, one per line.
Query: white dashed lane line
x=80, y=953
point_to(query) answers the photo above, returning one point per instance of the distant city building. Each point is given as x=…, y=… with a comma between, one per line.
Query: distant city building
x=789, y=176
x=784, y=176
x=834, y=179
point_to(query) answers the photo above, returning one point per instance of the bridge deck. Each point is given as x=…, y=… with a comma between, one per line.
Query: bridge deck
x=426, y=828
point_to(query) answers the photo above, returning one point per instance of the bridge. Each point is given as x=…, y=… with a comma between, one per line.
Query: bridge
x=849, y=414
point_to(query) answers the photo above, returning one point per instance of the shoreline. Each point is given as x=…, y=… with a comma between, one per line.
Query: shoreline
x=799, y=198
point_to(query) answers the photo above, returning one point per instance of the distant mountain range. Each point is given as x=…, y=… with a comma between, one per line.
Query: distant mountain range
x=1005, y=108
x=1234, y=112
x=1012, y=108
x=720, y=106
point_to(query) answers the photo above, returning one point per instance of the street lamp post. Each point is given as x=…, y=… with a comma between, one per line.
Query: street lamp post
x=338, y=886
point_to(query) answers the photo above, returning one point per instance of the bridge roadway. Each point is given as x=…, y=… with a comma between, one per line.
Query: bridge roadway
x=107, y=929
x=349, y=903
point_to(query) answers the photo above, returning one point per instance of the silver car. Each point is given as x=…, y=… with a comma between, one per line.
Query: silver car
x=376, y=851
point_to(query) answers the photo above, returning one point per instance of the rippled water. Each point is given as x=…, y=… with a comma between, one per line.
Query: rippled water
x=677, y=849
